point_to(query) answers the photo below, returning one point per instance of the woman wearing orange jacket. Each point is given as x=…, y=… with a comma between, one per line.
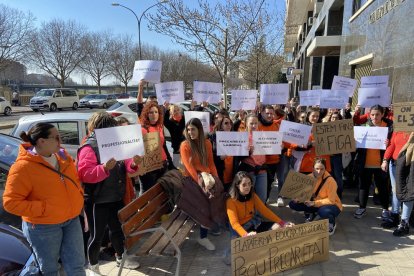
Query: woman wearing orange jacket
x=43, y=188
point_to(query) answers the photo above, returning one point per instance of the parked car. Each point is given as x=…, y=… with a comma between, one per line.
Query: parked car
x=102, y=101
x=5, y=106
x=122, y=96
x=9, y=149
x=126, y=108
x=55, y=98
x=84, y=102
x=72, y=127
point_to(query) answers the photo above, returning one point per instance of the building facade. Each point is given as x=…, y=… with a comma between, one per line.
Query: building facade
x=351, y=38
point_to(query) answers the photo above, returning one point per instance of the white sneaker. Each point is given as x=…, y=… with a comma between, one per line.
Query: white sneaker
x=280, y=202
x=207, y=244
x=130, y=263
x=359, y=213
x=93, y=270
x=332, y=228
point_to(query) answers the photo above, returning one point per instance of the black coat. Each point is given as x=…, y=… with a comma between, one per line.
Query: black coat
x=176, y=130
x=405, y=179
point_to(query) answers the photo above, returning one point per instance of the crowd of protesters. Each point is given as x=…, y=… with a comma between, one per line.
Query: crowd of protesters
x=50, y=192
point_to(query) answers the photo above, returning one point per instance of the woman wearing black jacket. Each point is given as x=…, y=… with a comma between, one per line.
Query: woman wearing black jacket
x=175, y=123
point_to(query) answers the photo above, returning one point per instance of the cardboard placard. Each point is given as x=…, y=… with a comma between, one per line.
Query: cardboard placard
x=279, y=250
x=152, y=160
x=403, y=116
x=298, y=186
x=334, y=137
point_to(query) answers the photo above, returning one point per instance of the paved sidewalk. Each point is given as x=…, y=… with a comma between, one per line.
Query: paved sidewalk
x=358, y=247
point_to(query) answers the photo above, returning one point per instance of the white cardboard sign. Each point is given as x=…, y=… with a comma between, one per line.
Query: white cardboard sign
x=207, y=92
x=275, y=93
x=343, y=83
x=370, y=137
x=148, y=70
x=203, y=116
x=267, y=142
x=172, y=92
x=243, y=99
x=230, y=143
x=368, y=97
x=120, y=142
x=310, y=97
x=374, y=81
x=333, y=99
x=295, y=133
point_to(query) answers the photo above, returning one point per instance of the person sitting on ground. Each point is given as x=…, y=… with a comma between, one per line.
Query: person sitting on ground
x=325, y=201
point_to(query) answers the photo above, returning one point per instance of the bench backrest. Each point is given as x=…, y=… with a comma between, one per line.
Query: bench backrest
x=142, y=213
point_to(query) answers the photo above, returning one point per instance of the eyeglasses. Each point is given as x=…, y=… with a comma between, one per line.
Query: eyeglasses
x=57, y=138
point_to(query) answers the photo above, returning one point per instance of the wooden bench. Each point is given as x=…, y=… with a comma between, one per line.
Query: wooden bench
x=141, y=216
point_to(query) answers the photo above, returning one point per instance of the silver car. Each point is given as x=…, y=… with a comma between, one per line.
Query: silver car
x=102, y=101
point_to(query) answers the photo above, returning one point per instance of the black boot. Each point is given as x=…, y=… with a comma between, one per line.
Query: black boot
x=391, y=222
x=402, y=230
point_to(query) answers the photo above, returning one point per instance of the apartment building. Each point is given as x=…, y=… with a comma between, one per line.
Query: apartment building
x=351, y=38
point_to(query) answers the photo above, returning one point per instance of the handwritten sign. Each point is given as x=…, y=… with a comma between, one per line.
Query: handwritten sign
x=243, y=99
x=275, y=93
x=203, y=116
x=310, y=97
x=279, y=250
x=368, y=97
x=230, y=143
x=172, y=92
x=334, y=137
x=333, y=99
x=298, y=186
x=370, y=137
x=374, y=81
x=148, y=70
x=152, y=160
x=267, y=142
x=403, y=116
x=343, y=83
x=295, y=133
x=121, y=142
x=207, y=92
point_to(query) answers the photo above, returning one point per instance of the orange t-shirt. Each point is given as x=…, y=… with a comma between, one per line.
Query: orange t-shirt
x=373, y=158
x=228, y=170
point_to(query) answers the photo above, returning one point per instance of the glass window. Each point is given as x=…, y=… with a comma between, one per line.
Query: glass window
x=69, y=93
x=58, y=94
x=68, y=131
x=357, y=4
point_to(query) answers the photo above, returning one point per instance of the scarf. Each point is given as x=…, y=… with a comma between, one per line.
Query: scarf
x=409, y=148
x=177, y=118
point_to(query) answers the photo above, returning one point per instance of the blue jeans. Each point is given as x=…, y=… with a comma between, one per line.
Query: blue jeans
x=406, y=210
x=329, y=212
x=396, y=204
x=337, y=168
x=53, y=241
x=260, y=185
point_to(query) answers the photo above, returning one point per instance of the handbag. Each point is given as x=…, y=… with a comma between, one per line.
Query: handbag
x=207, y=183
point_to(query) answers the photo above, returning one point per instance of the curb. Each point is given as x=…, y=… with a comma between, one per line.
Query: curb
x=7, y=126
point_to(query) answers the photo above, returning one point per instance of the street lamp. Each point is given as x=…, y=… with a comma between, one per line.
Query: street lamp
x=139, y=20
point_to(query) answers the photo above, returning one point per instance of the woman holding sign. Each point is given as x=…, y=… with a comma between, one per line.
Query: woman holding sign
x=325, y=201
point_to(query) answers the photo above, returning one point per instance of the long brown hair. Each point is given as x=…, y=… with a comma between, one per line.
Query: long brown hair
x=144, y=118
x=198, y=146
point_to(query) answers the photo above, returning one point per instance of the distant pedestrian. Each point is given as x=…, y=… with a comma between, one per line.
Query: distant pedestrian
x=43, y=187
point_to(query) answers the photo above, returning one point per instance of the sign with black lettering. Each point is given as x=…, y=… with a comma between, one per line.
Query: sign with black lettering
x=334, y=137
x=368, y=97
x=280, y=250
x=298, y=186
x=403, y=116
x=295, y=133
x=152, y=160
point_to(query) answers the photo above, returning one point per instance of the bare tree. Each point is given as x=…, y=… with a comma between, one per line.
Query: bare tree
x=97, y=57
x=15, y=30
x=123, y=56
x=217, y=31
x=58, y=47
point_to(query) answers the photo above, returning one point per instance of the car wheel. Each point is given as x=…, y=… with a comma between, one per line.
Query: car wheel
x=104, y=106
x=7, y=111
x=75, y=106
x=35, y=110
x=53, y=107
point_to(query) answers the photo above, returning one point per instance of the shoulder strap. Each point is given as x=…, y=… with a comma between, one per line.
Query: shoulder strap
x=320, y=186
x=60, y=174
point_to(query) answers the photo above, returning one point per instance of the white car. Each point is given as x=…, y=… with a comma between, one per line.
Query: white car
x=5, y=106
x=126, y=108
x=102, y=101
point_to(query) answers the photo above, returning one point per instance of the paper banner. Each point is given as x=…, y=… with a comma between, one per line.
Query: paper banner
x=267, y=142
x=274, y=93
x=230, y=143
x=243, y=99
x=207, y=92
x=148, y=70
x=172, y=92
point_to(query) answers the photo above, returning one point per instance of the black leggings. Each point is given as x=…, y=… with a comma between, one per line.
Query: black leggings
x=99, y=216
x=380, y=179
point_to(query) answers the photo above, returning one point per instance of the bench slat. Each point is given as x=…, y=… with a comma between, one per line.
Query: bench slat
x=154, y=238
x=136, y=220
x=180, y=237
x=139, y=202
x=173, y=231
x=149, y=223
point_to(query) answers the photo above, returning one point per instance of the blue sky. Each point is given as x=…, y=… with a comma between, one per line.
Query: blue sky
x=100, y=15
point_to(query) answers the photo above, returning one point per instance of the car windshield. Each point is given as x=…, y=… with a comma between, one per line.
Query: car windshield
x=89, y=97
x=100, y=97
x=115, y=106
x=9, y=148
x=45, y=92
